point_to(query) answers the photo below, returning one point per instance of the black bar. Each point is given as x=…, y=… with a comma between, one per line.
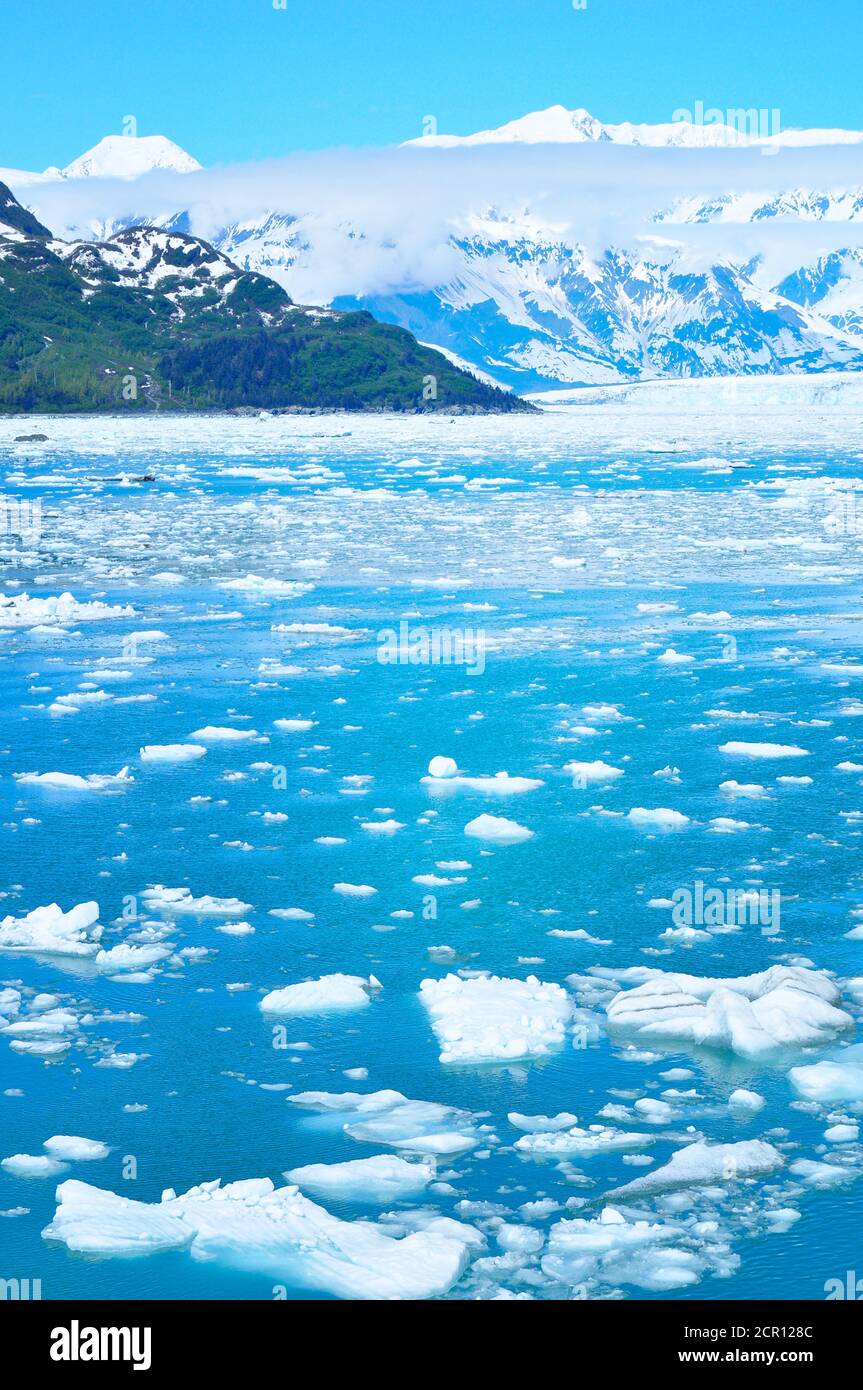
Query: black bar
x=276, y=1338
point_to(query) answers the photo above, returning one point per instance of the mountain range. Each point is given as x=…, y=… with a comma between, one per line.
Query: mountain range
x=551, y=252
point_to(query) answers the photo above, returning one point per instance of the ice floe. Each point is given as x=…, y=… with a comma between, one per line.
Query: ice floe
x=70, y=781
x=171, y=752
x=488, y=1019
x=329, y=993
x=20, y=610
x=51, y=931
x=737, y=749
x=701, y=1164
x=276, y=1231
x=180, y=902
x=384, y=1178
x=785, y=1006
x=497, y=830
x=501, y=784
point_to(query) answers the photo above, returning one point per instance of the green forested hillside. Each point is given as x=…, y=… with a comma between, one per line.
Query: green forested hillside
x=157, y=320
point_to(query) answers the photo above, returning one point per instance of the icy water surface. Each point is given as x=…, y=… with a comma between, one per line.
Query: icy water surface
x=671, y=606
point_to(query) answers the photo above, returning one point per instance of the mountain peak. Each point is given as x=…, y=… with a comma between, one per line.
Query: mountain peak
x=130, y=156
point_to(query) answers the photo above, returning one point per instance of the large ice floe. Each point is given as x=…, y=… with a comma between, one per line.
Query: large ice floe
x=51, y=931
x=20, y=610
x=275, y=1231
x=489, y=1019
x=785, y=1006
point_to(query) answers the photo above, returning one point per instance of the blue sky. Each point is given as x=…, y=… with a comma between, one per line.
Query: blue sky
x=240, y=79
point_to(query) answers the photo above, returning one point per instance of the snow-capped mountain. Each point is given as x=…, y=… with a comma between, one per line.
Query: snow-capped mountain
x=799, y=204
x=114, y=157
x=698, y=128
x=570, y=254
x=537, y=312
x=130, y=156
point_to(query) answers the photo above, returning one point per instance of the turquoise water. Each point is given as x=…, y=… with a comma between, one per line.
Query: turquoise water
x=761, y=595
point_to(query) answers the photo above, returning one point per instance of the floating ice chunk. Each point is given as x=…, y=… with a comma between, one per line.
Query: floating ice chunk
x=214, y=733
x=384, y=1178
x=442, y=767
x=295, y=726
x=275, y=1231
x=489, y=1019
x=603, y=712
x=501, y=784
x=829, y=1083
x=519, y=1240
x=417, y=1126
x=50, y=931
x=749, y=1102
x=541, y=1124
x=785, y=1006
x=619, y=1251
x=670, y=657
x=171, y=752
x=822, y=1174
x=842, y=1134
x=348, y=1102
x=70, y=781
x=178, y=901
x=583, y=1143
x=382, y=827
x=763, y=750
x=497, y=830
x=661, y=817
x=123, y=957
x=753, y=790
x=388, y=1117
x=45, y=1023
x=702, y=1164
x=330, y=992
x=10, y=1003
x=33, y=1166
x=593, y=772
x=354, y=890
x=75, y=1149
x=687, y=936
x=255, y=584
x=20, y=610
